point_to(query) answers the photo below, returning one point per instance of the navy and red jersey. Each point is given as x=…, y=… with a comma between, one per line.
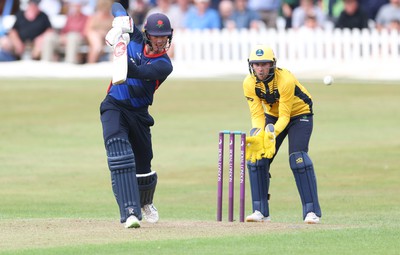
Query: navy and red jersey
x=145, y=74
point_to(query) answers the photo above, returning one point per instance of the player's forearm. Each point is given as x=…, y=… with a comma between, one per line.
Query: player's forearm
x=150, y=72
x=281, y=124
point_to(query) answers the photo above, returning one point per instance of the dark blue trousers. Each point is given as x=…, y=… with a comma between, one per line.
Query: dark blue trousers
x=133, y=124
x=298, y=131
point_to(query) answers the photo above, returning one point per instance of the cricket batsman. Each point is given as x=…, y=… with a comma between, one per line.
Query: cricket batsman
x=280, y=107
x=125, y=113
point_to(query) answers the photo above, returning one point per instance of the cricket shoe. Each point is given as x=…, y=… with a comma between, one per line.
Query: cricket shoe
x=150, y=213
x=132, y=222
x=311, y=218
x=257, y=217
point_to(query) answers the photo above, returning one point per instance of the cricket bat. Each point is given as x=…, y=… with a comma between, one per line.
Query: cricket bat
x=120, y=56
x=120, y=62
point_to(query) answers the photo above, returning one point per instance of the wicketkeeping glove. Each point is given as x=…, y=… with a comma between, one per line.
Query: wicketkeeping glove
x=255, y=145
x=125, y=23
x=269, y=141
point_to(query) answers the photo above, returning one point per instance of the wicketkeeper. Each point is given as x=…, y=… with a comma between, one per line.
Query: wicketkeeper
x=125, y=116
x=280, y=106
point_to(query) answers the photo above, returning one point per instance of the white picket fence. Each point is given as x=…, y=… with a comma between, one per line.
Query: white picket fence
x=288, y=45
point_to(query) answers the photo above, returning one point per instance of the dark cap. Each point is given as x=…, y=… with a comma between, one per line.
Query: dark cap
x=157, y=24
x=34, y=1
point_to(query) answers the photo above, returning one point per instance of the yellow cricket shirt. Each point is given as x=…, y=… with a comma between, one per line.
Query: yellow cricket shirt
x=283, y=97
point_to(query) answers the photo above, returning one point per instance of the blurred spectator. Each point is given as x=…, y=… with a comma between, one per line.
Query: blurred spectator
x=201, y=16
x=27, y=34
x=352, y=16
x=307, y=8
x=165, y=7
x=244, y=17
x=332, y=8
x=183, y=8
x=268, y=10
x=7, y=7
x=96, y=29
x=50, y=7
x=138, y=11
x=287, y=11
x=70, y=38
x=225, y=9
x=371, y=7
x=311, y=23
x=394, y=25
x=89, y=7
x=214, y=4
x=388, y=13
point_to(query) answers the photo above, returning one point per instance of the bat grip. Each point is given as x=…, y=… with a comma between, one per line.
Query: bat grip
x=118, y=10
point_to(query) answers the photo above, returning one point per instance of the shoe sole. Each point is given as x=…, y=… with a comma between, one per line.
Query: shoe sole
x=251, y=220
x=311, y=222
x=133, y=224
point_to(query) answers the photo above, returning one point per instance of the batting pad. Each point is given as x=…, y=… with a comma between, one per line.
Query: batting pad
x=121, y=163
x=259, y=183
x=147, y=187
x=303, y=171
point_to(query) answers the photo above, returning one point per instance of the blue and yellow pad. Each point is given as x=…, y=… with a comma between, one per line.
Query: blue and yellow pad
x=306, y=182
x=147, y=187
x=121, y=163
x=259, y=183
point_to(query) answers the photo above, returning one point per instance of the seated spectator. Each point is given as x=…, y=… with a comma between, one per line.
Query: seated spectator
x=268, y=10
x=138, y=11
x=201, y=16
x=183, y=8
x=50, y=7
x=394, y=25
x=29, y=30
x=287, y=11
x=97, y=26
x=70, y=38
x=352, y=16
x=388, y=13
x=244, y=17
x=165, y=7
x=307, y=8
x=332, y=9
x=7, y=7
x=310, y=23
x=225, y=10
x=371, y=7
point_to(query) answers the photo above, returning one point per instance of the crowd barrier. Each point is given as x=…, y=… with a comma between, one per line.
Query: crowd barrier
x=365, y=54
x=289, y=45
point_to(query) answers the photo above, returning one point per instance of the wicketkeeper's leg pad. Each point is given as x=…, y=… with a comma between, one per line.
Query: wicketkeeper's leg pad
x=259, y=183
x=121, y=162
x=147, y=187
x=303, y=171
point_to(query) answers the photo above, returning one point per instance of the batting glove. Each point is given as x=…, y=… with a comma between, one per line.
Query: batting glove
x=125, y=23
x=269, y=141
x=114, y=35
x=255, y=145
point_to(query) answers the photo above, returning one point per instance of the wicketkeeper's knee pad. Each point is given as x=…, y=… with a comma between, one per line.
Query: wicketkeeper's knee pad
x=259, y=183
x=303, y=171
x=121, y=162
x=147, y=187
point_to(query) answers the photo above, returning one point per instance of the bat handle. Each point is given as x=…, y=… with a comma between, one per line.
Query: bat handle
x=118, y=10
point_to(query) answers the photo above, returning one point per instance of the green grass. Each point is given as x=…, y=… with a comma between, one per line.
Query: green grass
x=55, y=187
